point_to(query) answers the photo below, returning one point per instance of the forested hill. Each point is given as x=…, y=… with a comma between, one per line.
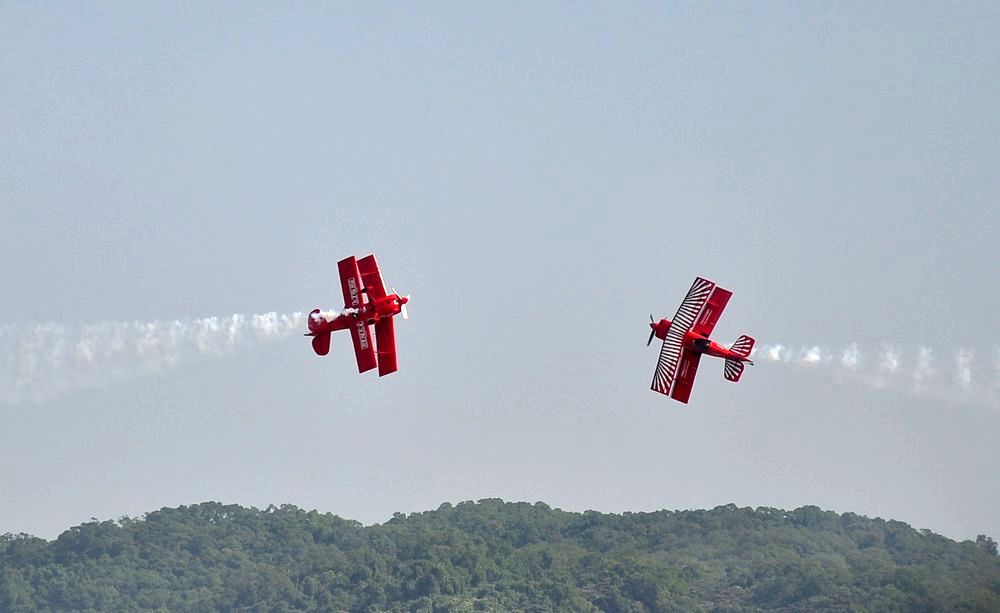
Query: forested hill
x=496, y=556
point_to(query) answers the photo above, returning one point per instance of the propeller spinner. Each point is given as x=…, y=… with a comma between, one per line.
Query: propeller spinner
x=402, y=303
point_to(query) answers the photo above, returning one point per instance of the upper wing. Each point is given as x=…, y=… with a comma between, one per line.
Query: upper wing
x=385, y=337
x=371, y=277
x=350, y=282
x=686, y=371
x=709, y=315
x=361, y=334
x=670, y=353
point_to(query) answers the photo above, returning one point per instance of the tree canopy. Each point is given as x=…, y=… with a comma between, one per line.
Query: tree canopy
x=491, y=555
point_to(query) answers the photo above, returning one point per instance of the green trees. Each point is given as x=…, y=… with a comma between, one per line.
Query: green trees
x=491, y=556
x=986, y=544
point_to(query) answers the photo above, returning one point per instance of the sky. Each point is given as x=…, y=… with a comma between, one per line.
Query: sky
x=178, y=181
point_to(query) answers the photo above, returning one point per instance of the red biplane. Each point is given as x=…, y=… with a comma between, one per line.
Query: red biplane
x=685, y=339
x=366, y=303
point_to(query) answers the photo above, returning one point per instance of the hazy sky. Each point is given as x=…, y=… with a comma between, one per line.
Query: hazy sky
x=540, y=177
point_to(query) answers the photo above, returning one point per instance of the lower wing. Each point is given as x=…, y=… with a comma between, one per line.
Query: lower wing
x=666, y=365
x=670, y=353
x=686, y=370
x=364, y=350
x=385, y=337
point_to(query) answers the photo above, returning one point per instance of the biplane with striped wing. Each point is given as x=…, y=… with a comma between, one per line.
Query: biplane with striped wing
x=366, y=304
x=686, y=339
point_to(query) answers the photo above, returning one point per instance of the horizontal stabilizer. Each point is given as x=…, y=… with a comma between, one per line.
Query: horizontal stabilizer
x=743, y=346
x=734, y=370
x=321, y=343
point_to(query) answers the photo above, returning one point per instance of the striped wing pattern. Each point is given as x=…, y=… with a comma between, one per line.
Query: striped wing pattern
x=734, y=370
x=670, y=353
x=743, y=345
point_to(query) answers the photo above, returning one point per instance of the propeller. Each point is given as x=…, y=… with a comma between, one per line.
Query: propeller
x=402, y=303
x=652, y=332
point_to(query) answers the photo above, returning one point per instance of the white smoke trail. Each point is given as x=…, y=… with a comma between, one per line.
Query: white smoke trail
x=815, y=355
x=890, y=367
x=923, y=374
x=49, y=360
x=963, y=369
x=774, y=353
x=888, y=360
x=850, y=358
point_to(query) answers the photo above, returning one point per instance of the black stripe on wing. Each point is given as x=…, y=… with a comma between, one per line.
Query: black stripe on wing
x=670, y=352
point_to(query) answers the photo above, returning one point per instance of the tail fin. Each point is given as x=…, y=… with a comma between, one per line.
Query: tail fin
x=734, y=370
x=312, y=320
x=321, y=343
x=743, y=346
x=321, y=340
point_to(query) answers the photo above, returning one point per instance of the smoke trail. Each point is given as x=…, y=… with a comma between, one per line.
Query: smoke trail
x=815, y=355
x=923, y=374
x=49, y=360
x=963, y=369
x=850, y=358
x=888, y=360
x=890, y=367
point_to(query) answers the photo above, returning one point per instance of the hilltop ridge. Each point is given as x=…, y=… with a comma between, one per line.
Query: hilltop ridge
x=492, y=555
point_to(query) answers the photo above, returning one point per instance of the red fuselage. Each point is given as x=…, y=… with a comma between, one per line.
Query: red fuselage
x=381, y=308
x=696, y=342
